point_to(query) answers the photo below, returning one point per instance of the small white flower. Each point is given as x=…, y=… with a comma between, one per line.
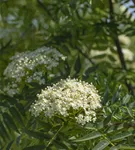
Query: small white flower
x=66, y=98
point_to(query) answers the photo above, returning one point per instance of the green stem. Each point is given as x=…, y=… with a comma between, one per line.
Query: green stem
x=104, y=136
x=52, y=139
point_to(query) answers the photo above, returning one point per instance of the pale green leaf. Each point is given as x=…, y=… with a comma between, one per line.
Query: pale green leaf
x=87, y=137
x=101, y=145
x=121, y=136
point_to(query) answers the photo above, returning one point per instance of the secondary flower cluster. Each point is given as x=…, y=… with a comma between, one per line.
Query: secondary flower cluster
x=128, y=55
x=68, y=98
x=30, y=66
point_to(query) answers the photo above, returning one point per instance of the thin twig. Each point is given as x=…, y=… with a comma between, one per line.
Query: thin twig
x=86, y=56
x=119, y=49
x=133, y=1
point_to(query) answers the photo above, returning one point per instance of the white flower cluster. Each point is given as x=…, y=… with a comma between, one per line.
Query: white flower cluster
x=30, y=66
x=70, y=97
x=125, y=40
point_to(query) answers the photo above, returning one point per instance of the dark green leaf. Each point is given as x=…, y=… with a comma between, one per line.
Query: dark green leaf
x=10, y=121
x=35, y=147
x=108, y=119
x=77, y=65
x=105, y=98
x=116, y=95
x=9, y=146
x=37, y=134
x=15, y=114
x=90, y=70
x=3, y=131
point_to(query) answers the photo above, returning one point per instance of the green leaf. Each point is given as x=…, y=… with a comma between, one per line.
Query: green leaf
x=108, y=119
x=4, y=134
x=101, y=145
x=105, y=98
x=126, y=98
x=91, y=69
x=61, y=144
x=131, y=140
x=100, y=125
x=111, y=58
x=9, y=145
x=129, y=112
x=37, y=134
x=90, y=136
x=15, y=114
x=7, y=118
x=97, y=3
x=100, y=56
x=90, y=126
x=116, y=95
x=35, y=147
x=77, y=65
x=127, y=147
x=121, y=136
x=114, y=128
x=114, y=148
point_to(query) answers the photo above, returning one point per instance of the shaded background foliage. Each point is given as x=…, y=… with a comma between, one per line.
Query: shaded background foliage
x=75, y=28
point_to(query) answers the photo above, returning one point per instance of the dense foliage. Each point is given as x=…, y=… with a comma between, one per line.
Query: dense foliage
x=71, y=60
